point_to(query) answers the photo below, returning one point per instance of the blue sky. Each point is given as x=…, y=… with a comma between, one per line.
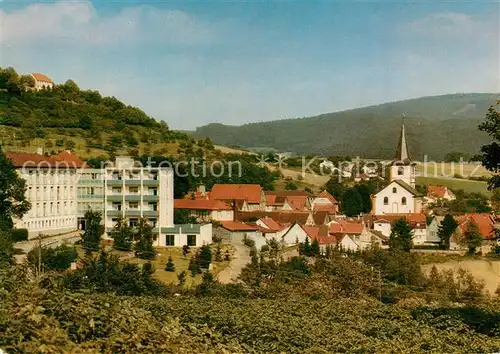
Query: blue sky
x=195, y=62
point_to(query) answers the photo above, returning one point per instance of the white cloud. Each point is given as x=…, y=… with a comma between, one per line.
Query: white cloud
x=79, y=22
x=453, y=24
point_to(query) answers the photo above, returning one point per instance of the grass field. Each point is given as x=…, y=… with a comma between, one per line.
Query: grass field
x=449, y=169
x=456, y=183
x=181, y=263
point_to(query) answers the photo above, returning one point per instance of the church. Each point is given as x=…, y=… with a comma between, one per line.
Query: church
x=400, y=195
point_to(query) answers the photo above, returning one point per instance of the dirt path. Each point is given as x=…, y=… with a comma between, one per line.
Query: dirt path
x=488, y=271
x=240, y=259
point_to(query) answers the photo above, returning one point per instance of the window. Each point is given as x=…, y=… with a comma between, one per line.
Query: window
x=115, y=221
x=117, y=206
x=92, y=191
x=400, y=171
x=169, y=240
x=133, y=222
x=153, y=206
x=133, y=205
x=394, y=190
x=403, y=200
x=133, y=190
x=152, y=222
x=154, y=191
x=386, y=201
x=191, y=240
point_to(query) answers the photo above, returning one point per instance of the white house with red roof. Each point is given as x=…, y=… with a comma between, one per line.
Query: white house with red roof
x=206, y=210
x=422, y=233
x=485, y=223
x=325, y=202
x=42, y=81
x=436, y=193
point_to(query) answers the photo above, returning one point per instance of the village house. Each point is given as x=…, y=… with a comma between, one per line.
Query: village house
x=205, y=210
x=42, y=81
x=485, y=223
x=275, y=200
x=400, y=195
x=422, y=233
x=251, y=194
x=325, y=202
x=439, y=193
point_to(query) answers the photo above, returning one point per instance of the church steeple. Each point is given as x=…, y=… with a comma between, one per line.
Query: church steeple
x=402, y=154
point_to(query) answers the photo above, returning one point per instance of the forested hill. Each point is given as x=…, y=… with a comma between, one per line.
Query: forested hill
x=435, y=126
x=67, y=117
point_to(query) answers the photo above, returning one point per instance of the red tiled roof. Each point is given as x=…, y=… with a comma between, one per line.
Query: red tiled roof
x=238, y=226
x=71, y=159
x=200, y=204
x=436, y=191
x=342, y=227
x=484, y=221
x=41, y=77
x=320, y=233
x=273, y=200
x=416, y=220
x=270, y=223
x=291, y=217
x=260, y=228
x=327, y=195
x=296, y=193
x=249, y=192
x=329, y=208
x=298, y=203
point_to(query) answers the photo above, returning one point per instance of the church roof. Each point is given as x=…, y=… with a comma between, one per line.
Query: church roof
x=408, y=187
x=402, y=156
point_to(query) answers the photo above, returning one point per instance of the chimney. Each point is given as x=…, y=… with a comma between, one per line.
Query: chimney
x=39, y=151
x=201, y=189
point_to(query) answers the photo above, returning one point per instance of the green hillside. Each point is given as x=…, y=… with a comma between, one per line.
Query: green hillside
x=435, y=126
x=67, y=117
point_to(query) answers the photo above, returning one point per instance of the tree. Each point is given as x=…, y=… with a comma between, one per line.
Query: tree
x=335, y=188
x=401, y=236
x=91, y=238
x=194, y=266
x=472, y=238
x=305, y=247
x=205, y=257
x=218, y=254
x=170, y=266
x=6, y=249
x=144, y=236
x=13, y=203
x=495, y=200
x=122, y=235
x=352, y=203
x=315, y=250
x=58, y=259
x=290, y=186
x=446, y=229
x=490, y=153
x=181, y=277
x=27, y=82
x=185, y=250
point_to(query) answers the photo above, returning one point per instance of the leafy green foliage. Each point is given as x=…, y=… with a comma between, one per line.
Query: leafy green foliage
x=446, y=229
x=205, y=256
x=58, y=258
x=472, y=237
x=6, y=249
x=144, y=236
x=401, y=236
x=490, y=153
x=19, y=235
x=13, y=203
x=170, y=266
x=91, y=238
x=352, y=203
x=122, y=235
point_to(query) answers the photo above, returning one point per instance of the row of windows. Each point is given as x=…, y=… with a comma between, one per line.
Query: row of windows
x=152, y=206
x=386, y=201
x=51, y=193
x=134, y=190
x=133, y=222
x=170, y=240
x=52, y=209
x=50, y=224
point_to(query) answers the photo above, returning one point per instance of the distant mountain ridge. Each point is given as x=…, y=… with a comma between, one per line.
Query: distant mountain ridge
x=435, y=125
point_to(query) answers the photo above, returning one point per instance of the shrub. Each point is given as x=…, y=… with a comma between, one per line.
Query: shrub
x=58, y=259
x=170, y=267
x=19, y=235
x=248, y=241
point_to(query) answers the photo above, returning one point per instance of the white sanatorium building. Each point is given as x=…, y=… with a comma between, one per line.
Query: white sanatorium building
x=61, y=189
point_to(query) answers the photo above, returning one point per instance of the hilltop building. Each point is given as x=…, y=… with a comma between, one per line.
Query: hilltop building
x=42, y=81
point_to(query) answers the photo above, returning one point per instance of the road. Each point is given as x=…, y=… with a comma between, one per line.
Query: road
x=55, y=241
x=240, y=259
